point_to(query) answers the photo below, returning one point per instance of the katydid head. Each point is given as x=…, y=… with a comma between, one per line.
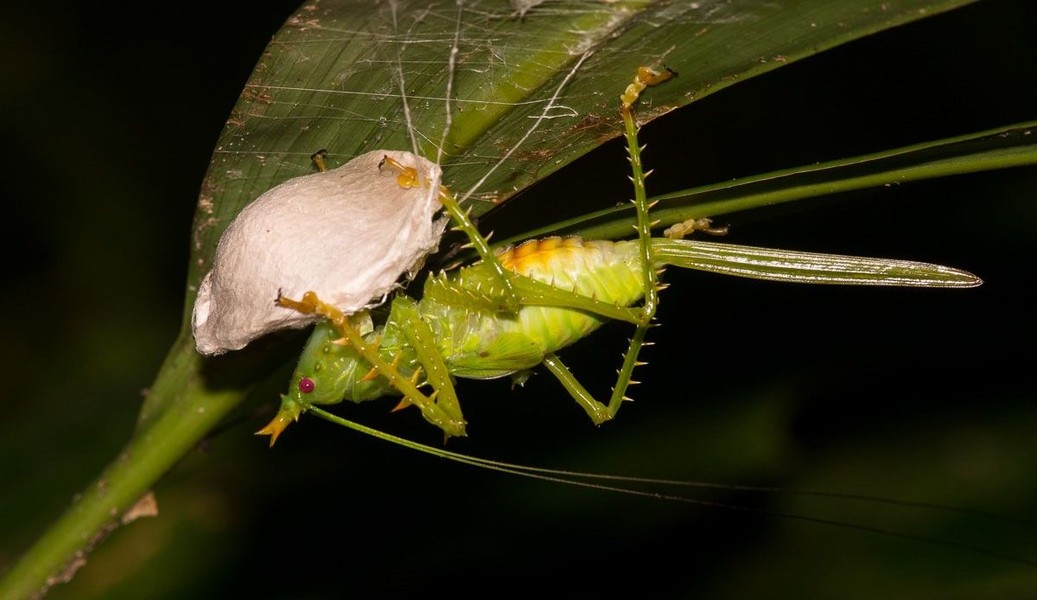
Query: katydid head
x=328, y=372
x=298, y=399
x=307, y=387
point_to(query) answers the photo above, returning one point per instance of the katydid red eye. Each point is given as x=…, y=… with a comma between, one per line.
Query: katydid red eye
x=306, y=385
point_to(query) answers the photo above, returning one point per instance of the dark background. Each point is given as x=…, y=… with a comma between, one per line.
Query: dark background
x=109, y=115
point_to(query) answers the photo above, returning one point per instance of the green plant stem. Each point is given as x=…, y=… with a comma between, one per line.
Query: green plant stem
x=989, y=150
x=154, y=448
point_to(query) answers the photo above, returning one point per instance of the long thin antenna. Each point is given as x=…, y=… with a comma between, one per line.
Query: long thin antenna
x=573, y=478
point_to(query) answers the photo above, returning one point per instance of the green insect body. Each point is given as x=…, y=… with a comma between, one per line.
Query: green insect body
x=481, y=344
x=506, y=293
x=512, y=311
x=474, y=340
x=470, y=337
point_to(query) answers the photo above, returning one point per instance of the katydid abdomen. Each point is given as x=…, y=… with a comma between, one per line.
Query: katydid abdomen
x=482, y=344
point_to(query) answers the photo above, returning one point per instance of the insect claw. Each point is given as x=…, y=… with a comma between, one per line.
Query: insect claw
x=340, y=342
x=318, y=159
x=304, y=306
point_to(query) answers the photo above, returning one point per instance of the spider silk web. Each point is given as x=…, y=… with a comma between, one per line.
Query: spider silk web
x=498, y=93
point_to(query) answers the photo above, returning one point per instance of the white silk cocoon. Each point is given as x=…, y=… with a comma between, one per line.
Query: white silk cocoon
x=348, y=234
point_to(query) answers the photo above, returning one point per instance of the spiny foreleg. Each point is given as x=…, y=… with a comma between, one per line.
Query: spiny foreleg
x=446, y=415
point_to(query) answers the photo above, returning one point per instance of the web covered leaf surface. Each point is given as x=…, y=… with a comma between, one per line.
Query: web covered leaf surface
x=500, y=94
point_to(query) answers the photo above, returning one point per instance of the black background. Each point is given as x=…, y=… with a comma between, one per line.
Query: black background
x=109, y=115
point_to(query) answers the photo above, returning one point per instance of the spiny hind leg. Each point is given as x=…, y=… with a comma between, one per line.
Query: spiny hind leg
x=312, y=305
x=644, y=78
x=600, y=412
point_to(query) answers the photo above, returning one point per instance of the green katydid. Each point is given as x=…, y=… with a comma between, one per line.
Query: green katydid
x=513, y=311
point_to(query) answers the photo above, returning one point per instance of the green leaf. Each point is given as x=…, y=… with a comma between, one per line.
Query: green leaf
x=500, y=99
